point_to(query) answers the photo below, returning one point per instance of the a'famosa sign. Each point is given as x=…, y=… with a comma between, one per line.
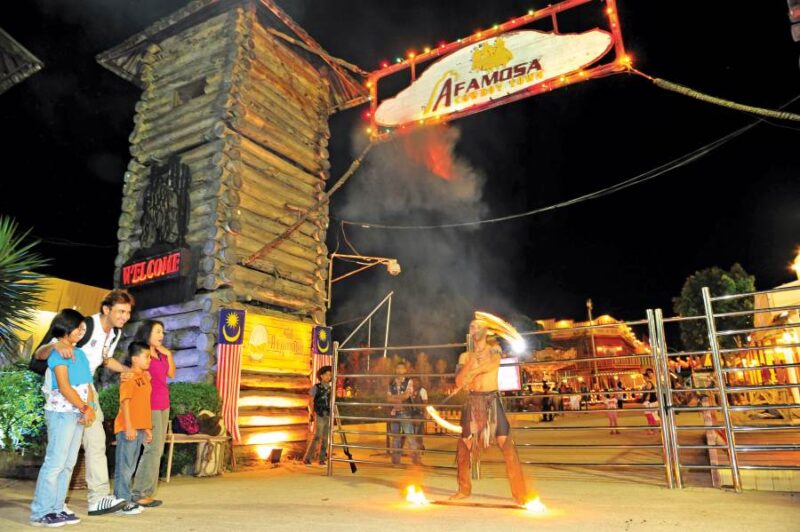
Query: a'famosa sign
x=490, y=71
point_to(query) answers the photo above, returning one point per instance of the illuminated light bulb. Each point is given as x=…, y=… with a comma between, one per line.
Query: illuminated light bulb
x=479, y=34
x=369, y=130
x=609, y=10
x=384, y=64
x=530, y=12
x=398, y=60
x=427, y=49
x=369, y=84
x=411, y=55
x=562, y=79
x=496, y=26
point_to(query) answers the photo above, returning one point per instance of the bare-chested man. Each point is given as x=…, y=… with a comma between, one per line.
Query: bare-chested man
x=482, y=416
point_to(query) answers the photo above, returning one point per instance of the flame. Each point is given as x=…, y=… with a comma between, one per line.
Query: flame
x=441, y=421
x=432, y=149
x=536, y=506
x=415, y=497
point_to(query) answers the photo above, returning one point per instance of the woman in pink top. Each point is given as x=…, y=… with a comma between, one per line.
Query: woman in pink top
x=162, y=366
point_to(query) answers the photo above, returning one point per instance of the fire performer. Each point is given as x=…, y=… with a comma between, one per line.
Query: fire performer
x=482, y=417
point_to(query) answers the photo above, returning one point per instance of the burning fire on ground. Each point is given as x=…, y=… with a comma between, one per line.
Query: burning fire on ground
x=536, y=506
x=416, y=497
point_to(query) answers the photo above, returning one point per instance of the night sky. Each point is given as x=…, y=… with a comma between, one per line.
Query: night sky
x=66, y=148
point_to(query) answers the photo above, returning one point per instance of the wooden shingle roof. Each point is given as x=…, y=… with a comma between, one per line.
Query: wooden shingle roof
x=16, y=63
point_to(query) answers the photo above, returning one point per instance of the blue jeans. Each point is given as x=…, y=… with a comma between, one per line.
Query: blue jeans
x=321, y=428
x=126, y=457
x=404, y=427
x=63, y=443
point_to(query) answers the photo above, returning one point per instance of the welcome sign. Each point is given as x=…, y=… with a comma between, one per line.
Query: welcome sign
x=491, y=71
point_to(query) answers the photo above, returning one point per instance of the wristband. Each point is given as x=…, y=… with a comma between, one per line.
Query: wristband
x=93, y=405
x=84, y=408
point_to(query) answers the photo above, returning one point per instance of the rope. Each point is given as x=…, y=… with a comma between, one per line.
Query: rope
x=637, y=180
x=691, y=93
x=318, y=51
x=303, y=217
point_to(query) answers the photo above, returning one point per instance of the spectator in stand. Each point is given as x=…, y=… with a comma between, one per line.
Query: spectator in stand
x=584, y=396
x=620, y=396
x=649, y=399
x=547, y=403
x=610, y=404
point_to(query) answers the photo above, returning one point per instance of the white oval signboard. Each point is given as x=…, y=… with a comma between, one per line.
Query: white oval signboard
x=491, y=70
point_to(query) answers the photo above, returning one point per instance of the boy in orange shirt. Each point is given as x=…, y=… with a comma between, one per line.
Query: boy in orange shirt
x=133, y=425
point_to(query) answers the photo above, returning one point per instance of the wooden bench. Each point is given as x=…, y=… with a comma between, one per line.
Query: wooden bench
x=172, y=438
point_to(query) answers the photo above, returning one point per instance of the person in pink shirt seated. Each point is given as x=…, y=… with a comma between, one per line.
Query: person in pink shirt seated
x=162, y=366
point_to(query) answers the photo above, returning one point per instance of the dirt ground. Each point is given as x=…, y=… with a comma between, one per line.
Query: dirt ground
x=291, y=497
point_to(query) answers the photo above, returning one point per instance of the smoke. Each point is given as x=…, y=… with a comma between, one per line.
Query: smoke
x=417, y=179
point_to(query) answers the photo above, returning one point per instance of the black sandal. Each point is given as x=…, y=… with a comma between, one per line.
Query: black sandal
x=151, y=504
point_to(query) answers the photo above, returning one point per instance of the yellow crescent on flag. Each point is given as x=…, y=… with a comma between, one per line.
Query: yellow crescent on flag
x=232, y=320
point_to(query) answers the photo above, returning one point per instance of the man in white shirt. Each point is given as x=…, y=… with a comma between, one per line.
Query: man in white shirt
x=103, y=331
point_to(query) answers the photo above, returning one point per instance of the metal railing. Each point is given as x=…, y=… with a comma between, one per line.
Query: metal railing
x=668, y=453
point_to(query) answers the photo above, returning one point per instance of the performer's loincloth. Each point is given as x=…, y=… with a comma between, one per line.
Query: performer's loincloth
x=482, y=416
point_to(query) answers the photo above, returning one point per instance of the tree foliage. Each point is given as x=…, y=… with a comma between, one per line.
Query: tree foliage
x=21, y=410
x=694, y=334
x=20, y=289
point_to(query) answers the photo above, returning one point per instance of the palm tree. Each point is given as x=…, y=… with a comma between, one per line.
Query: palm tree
x=20, y=287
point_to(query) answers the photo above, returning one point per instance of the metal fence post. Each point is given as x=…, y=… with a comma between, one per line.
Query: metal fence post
x=666, y=440
x=723, y=395
x=673, y=432
x=332, y=423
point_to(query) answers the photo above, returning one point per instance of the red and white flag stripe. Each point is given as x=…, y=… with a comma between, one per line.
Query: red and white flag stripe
x=229, y=376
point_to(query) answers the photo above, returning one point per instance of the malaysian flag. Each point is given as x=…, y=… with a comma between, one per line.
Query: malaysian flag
x=229, y=366
x=321, y=355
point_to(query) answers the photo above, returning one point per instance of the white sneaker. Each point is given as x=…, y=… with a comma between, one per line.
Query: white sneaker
x=106, y=505
x=130, y=508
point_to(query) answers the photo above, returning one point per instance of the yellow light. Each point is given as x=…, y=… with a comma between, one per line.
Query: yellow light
x=530, y=12
x=427, y=49
x=369, y=84
x=267, y=438
x=263, y=451
x=416, y=497
x=479, y=34
x=536, y=506
x=273, y=401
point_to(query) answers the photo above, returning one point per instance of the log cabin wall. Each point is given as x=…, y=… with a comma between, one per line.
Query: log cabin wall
x=249, y=117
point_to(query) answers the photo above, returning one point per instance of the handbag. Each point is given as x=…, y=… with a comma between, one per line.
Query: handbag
x=185, y=424
x=207, y=463
x=210, y=423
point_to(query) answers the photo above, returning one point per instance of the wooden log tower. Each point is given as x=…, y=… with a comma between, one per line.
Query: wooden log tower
x=245, y=109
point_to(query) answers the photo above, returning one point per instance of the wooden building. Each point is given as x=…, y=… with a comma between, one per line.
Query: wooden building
x=16, y=62
x=235, y=110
